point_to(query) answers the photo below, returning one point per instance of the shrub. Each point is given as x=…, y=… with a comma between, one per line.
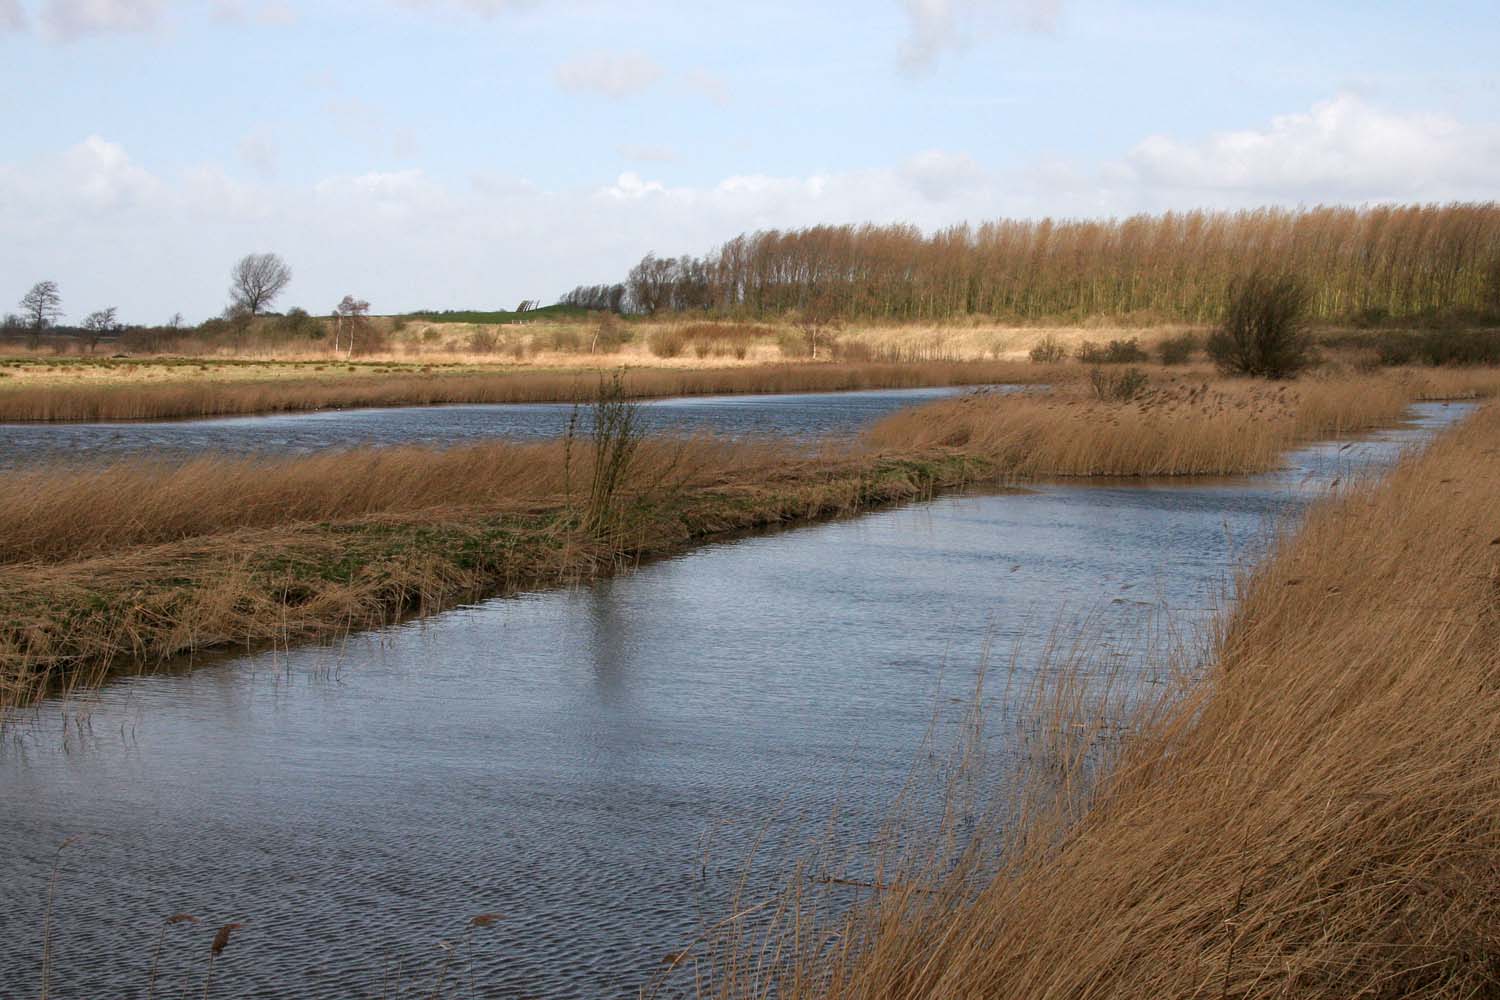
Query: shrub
x=1178, y=349
x=484, y=341
x=1119, y=387
x=793, y=344
x=610, y=335
x=1264, y=332
x=666, y=343
x=564, y=340
x=1116, y=352
x=1048, y=351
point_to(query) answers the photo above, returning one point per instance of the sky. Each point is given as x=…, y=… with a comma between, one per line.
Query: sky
x=475, y=153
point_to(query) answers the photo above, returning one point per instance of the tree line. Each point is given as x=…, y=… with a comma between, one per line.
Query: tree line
x=1371, y=263
x=256, y=281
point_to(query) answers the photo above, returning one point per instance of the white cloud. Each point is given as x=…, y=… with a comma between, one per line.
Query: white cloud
x=487, y=8
x=70, y=19
x=941, y=176
x=936, y=25
x=611, y=74
x=12, y=17
x=1341, y=149
x=238, y=11
x=103, y=176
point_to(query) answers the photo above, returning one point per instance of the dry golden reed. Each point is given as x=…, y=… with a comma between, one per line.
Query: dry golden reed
x=204, y=398
x=1179, y=428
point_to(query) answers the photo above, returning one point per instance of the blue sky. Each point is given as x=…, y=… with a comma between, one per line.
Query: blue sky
x=472, y=153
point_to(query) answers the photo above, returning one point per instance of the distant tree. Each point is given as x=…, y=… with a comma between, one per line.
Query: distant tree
x=349, y=315
x=650, y=284
x=97, y=325
x=40, y=308
x=257, y=280
x=1264, y=333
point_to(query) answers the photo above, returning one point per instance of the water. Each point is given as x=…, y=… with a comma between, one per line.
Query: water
x=799, y=415
x=593, y=764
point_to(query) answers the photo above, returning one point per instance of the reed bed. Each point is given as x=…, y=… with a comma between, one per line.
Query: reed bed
x=150, y=503
x=1177, y=428
x=187, y=398
x=1317, y=816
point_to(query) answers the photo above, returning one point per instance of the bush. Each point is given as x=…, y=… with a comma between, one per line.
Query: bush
x=1048, y=351
x=1264, y=332
x=666, y=343
x=610, y=336
x=793, y=344
x=565, y=340
x=853, y=351
x=1118, y=388
x=1116, y=352
x=483, y=341
x=1177, y=350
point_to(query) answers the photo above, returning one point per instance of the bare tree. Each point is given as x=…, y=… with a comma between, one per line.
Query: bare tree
x=97, y=325
x=256, y=281
x=349, y=315
x=40, y=308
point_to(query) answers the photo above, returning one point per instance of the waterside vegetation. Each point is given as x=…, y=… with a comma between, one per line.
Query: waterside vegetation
x=179, y=558
x=1315, y=816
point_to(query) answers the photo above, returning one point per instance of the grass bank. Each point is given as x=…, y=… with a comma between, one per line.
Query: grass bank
x=1176, y=426
x=125, y=566
x=1317, y=816
x=96, y=399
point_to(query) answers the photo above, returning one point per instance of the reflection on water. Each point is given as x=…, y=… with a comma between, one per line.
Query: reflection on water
x=800, y=415
x=564, y=758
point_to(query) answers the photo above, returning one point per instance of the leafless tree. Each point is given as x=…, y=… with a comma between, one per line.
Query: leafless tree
x=97, y=325
x=257, y=280
x=40, y=308
x=349, y=315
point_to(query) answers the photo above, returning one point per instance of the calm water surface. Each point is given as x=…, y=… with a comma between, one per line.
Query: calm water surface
x=594, y=764
x=802, y=415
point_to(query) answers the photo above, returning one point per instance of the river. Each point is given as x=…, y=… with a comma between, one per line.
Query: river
x=594, y=764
